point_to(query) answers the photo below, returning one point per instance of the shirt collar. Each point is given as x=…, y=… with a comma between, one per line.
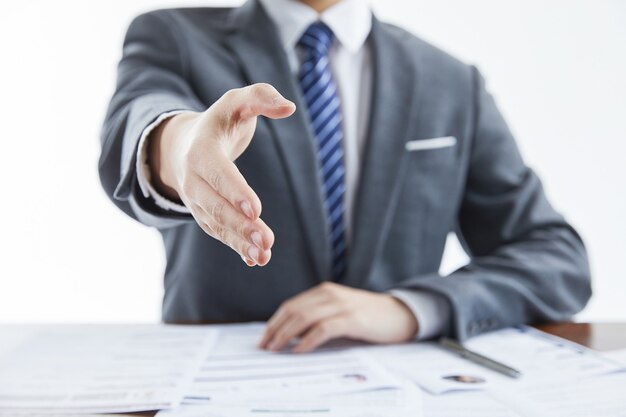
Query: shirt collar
x=350, y=21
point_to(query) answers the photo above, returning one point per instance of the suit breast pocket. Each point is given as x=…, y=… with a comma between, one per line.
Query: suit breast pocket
x=428, y=197
x=432, y=152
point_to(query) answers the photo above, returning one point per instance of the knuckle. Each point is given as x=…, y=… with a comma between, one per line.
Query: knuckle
x=323, y=329
x=217, y=212
x=299, y=315
x=231, y=94
x=242, y=228
x=258, y=89
x=214, y=178
x=218, y=232
x=329, y=289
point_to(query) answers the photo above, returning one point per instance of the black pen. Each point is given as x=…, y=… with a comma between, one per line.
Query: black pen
x=479, y=359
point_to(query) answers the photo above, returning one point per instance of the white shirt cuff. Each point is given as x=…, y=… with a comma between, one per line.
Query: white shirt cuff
x=143, y=169
x=432, y=311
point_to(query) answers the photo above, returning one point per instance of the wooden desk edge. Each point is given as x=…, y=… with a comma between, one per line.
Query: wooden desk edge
x=598, y=336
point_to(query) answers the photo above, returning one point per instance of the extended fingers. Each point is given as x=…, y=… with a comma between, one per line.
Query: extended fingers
x=299, y=322
x=322, y=332
x=252, y=239
x=225, y=179
x=299, y=312
x=248, y=249
x=302, y=301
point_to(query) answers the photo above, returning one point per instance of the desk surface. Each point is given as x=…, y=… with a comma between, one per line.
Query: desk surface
x=599, y=336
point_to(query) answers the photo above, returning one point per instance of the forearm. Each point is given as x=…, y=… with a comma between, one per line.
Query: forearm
x=542, y=277
x=151, y=51
x=527, y=263
x=122, y=132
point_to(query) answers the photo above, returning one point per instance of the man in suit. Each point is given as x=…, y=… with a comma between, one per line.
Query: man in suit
x=372, y=146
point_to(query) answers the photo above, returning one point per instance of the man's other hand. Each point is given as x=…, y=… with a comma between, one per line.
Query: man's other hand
x=191, y=160
x=331, y=311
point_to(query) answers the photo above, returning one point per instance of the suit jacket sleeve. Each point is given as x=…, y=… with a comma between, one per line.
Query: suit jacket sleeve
x=527, y=263
x=151, y=80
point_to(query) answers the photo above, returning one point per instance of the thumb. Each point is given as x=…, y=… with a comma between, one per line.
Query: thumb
x=258, y=100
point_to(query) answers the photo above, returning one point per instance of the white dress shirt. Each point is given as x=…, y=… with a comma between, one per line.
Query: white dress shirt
x=351, y=66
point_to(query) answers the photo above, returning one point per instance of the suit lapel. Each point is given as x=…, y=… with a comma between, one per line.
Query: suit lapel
x=256, y=44
x=383, y=160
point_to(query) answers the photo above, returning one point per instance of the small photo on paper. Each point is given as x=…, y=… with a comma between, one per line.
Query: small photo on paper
x=465, y=379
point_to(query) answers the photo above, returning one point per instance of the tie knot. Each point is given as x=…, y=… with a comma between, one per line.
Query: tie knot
x=317, y=39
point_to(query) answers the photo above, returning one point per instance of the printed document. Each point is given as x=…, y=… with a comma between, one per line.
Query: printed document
x=406, y=400
x=238, y=370
x=219, y=371
x=101, y=368
x=540, y=357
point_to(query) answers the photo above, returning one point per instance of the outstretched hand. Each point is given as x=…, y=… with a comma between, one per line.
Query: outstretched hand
x=191, y=158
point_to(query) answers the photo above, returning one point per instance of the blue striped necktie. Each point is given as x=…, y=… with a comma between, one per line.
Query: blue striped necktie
x=322, y=100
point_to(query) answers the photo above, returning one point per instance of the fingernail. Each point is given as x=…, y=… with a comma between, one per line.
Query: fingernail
x=253, y=253
x=247, y=209
x=247, y=261
x=257, y=239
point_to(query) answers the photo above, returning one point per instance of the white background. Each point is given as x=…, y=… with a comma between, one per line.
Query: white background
x=557, y=69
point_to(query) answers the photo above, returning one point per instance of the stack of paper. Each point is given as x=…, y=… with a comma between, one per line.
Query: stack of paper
x=218, y=371
x=101, y=369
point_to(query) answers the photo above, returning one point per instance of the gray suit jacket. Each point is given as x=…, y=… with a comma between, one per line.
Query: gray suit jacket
x=527, y=263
